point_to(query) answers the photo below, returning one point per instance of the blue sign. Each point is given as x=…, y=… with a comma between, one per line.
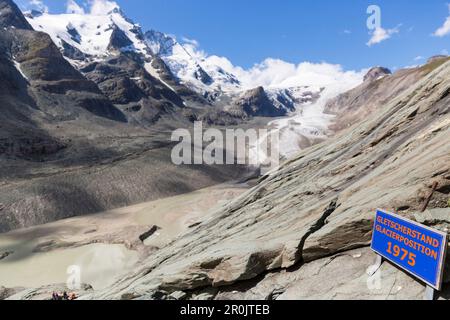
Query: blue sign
x=413, y=247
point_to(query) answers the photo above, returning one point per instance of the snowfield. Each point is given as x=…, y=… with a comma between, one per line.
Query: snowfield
x=88, y=33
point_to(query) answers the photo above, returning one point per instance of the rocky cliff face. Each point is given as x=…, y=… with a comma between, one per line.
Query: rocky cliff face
x=258, y=102
x=11, y=16
x=143, y=98
x=376, y=73
x=39, y=85
x=255, y=102
x=303, y=232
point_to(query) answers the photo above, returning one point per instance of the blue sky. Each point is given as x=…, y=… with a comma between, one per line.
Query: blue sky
x=249, y=31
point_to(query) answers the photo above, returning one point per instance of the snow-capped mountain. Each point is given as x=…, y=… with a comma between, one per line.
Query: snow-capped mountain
x=93, y=35
x=181, y=63
x=96, y=37
x=84, y=38
x=190, y=69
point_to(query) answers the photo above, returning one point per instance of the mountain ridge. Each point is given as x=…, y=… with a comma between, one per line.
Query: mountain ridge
x=207, y=82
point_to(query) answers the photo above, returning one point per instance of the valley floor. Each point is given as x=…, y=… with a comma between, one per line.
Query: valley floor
x=105, y=245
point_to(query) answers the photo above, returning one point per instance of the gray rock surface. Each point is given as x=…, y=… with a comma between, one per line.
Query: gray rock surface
x=11, y=16
x=437, y=58
x=376, y=73
x=127, y=84
x=118, y=40
x=5, y=254
x=290, y=219
x=255, y=102
x=75, y=143
x=340, y=277
x=379, y=89
x=8, y=292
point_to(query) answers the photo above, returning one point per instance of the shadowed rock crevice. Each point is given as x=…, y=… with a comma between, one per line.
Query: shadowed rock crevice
x=319, y=224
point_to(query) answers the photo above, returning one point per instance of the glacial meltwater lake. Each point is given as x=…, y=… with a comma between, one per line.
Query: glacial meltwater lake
x=100, y=265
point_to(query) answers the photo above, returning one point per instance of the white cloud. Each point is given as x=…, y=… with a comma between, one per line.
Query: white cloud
x=418, y=58
x=73, y=7
x=102, y=7
x=276, y=73
x=38, y=5
x=279, y=73
x=380, y=35
x=445, y=28
x=192, y=42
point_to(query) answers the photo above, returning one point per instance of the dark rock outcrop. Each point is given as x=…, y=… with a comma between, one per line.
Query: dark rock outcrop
x=52, y=77
x=74, y=34
x=437, y=58
x=376, y=73
x=4, y=255
x=149, y=233
x=128, y=84
x=72, y=53
x=255, y=102
x=5, y=293
x=201, y=75
x=11, y=16
x=118, y=40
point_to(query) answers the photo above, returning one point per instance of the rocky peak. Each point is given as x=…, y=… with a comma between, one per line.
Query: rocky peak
x=11, y=16
x=255, y=94
x=73, y=32
x=376, y=73
x=437, y=58
x=160, y=43
x=256, y=102
x=164, y=46
x=118, y=39
x=33, y=13
x=71, y=52
x=201, y=75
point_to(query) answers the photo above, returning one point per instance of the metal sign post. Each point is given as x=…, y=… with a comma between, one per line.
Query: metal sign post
x=429, y=293
x=376, y=266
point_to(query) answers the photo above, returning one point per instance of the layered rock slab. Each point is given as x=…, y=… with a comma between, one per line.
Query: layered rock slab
x=387, y=161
